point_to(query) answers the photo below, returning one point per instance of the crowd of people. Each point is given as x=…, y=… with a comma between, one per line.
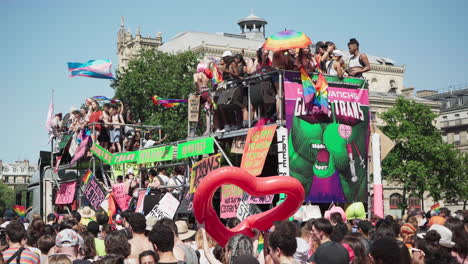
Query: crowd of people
x=232, y=69
x=87, y=237
x=110, y=124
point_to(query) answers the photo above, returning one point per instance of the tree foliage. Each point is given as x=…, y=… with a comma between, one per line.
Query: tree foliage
x=420, y=160
x=7, y=197
x=157, y=73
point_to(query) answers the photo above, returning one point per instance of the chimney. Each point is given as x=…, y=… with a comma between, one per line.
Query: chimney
x=408, y=91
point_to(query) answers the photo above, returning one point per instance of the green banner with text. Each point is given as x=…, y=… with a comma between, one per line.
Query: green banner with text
x=195, y=147
x=125, y=157
x=101, y=153
x=155, y=154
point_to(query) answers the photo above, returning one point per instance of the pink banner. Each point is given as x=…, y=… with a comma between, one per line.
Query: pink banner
x=348, y=95
x=378, y=200
x=66, y=193
x=121, y=197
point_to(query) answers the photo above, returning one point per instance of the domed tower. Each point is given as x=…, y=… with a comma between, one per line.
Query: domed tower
x=253, y=27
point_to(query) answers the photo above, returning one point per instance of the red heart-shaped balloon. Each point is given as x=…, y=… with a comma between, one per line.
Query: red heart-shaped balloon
x=258, y=186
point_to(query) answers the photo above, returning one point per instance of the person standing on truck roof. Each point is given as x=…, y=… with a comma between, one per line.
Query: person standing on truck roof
x=358, y=62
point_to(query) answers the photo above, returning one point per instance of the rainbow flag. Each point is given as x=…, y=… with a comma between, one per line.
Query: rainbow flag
x=88, y=175
x=94, y=68
x=168, y=103
x=307, y=86
x=435, y=207
x=321, y=95
x=19, y=210
x=217, y=77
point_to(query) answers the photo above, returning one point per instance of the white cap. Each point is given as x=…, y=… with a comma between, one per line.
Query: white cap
x=130, y=171
x=226, y=53
x=337, y=53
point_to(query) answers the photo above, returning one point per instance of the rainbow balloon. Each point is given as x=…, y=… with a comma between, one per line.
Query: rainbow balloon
x=288, y=39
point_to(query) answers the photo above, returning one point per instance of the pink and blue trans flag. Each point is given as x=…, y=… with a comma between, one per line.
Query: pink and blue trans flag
x=93, y=68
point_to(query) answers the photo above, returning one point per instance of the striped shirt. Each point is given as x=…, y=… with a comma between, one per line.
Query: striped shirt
x=27, y=256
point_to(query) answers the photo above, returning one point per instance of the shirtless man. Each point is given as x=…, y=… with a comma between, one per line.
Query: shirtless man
x=139, y=243
x=201, y=80
x=358, y=62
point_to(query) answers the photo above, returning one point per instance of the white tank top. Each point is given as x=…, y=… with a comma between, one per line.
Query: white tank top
x=330, y=69
x=354, y=62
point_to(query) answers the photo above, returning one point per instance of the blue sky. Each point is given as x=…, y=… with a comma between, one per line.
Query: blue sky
x=38, y=38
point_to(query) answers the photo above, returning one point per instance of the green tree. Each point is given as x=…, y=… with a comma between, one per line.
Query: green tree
x=163, y=74
x=457, y=185
x=7, y=197
x=420, y=160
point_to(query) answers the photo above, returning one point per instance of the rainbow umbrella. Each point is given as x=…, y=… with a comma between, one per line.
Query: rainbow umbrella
x=288, y=39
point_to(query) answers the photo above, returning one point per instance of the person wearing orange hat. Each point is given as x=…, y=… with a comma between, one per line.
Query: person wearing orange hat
x=438, y=220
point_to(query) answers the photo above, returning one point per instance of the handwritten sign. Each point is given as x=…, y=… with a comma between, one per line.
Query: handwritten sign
x=186, y=206
x=94, y=194
x=195, y=148
x=267, y=199
x=121, y=195
x=245, y=209
x=66, y=193
x=238, y=145
x=155, y=154
x=203, y=168
x=231, y=196
x=101, y=153
x=166, y=208
x=193, y=108
x=256, y=148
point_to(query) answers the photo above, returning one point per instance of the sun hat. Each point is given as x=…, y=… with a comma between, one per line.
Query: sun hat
x=445, y=235
x=68, y=238
x=183, y=231
x=86, y=212
x=226, y=53
x=337, y=53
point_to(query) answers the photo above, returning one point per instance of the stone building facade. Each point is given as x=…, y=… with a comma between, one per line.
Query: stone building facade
x=453, y=118
x=16, y=174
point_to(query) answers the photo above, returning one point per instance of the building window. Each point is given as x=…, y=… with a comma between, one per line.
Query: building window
x=457, y=115
x=414, y=202
x=444, y=118
x=447, y=103
x=456, y=138
x=372, y=116
x=460, y=100
x=395, y=199
x=14, y=169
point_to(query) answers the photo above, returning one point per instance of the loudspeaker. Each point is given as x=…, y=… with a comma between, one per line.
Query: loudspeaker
x=262, y=92
x=232, y=96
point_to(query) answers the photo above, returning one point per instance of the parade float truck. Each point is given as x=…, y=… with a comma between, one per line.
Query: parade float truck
x=318, y=135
